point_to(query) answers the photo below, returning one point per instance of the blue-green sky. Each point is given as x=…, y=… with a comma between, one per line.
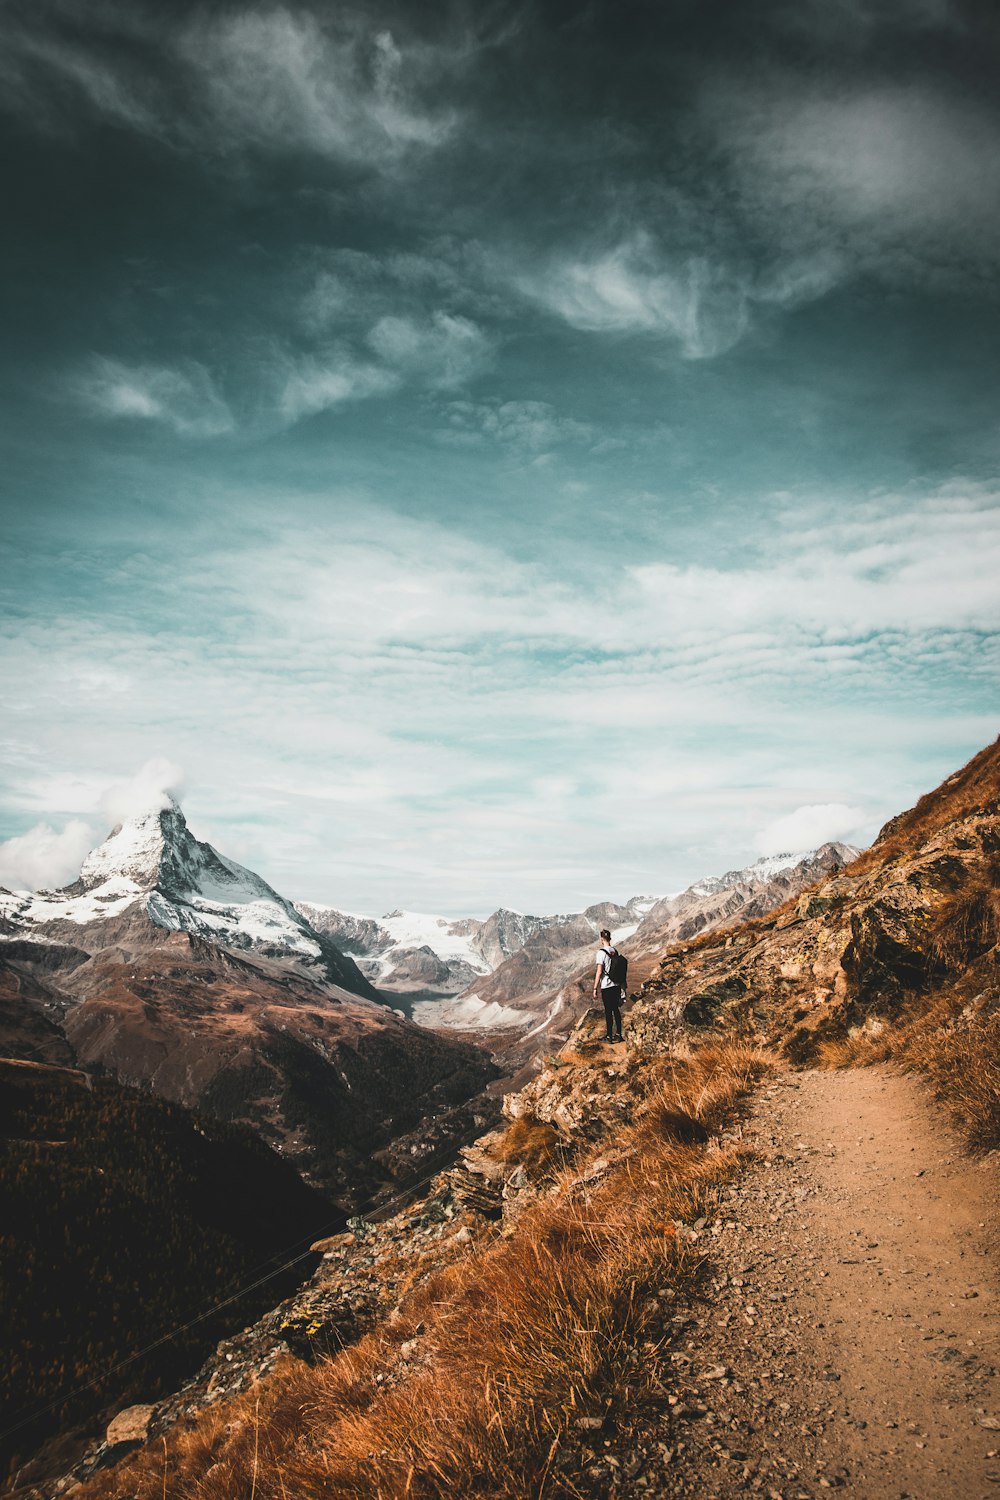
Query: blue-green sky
x=496, y=453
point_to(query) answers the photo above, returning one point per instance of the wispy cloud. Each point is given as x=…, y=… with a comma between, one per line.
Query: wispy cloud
x=47, y=79
x=182, y=398
x=283, y=78
x=882, y=176
x=149, y=789
x=353, y=287
x=865, y=20
x=315, y=383
x=532, y=426
x=704, y=302
x=437, y=685
x=272, y=77
x=811, y=825
x=442, y=351
x=634, y=288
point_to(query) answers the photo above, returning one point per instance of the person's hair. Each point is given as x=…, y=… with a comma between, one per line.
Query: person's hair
x=605, y=934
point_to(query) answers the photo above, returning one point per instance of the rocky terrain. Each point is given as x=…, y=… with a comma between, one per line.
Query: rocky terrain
x=409, y=955
x=848, y=1332
x=515, y=976
x=420, y=959
x=846, y=954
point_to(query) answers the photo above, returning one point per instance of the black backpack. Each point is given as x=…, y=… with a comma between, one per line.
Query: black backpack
x=617, y=967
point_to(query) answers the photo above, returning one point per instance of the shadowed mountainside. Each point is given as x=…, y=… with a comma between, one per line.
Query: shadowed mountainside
x=123, y=1217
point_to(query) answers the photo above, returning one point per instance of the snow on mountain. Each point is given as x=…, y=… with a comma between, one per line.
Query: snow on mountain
x=154, y=863
x=450, y=940
x=772, y=864
x=505, y=933
x=405, y=950
x=531, y=987
x=413, y=952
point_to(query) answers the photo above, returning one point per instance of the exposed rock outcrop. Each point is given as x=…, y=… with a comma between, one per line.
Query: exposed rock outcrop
x=849, y=950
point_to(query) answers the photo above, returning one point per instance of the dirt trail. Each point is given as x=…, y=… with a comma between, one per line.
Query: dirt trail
x=852, y=1335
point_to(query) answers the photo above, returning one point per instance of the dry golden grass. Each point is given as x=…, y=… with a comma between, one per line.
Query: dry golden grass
x=476, y=1386
x=967, y=923
x=531, y=1143
x=961, y=1055
x=973, y=789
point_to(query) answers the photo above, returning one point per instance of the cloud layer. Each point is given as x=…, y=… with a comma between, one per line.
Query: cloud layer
x=44, y=858
x=184, y=400
x=446, y=717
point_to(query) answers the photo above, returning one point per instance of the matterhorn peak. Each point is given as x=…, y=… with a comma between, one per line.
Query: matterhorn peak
x=138, y=847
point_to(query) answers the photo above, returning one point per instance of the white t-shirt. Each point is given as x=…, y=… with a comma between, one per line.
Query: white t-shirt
x=604, y=958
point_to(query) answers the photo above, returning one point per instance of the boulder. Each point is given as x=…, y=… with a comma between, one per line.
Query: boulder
x=130, y=1425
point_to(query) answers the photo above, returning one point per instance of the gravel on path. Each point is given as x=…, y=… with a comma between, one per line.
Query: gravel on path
x=848, y=1334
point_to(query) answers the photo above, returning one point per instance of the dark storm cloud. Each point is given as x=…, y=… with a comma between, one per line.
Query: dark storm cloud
x=628, y=167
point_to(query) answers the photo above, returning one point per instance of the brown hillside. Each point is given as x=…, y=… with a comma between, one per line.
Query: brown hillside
x=859, y=950
x=975, y=789
x=330, y=1080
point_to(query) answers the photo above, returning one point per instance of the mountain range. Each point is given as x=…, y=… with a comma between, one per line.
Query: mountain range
x=171, y=968
x=503, y=973
x=540, y=988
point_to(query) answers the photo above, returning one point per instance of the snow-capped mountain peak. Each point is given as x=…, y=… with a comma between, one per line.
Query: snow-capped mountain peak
x=134, y=850
x=158, y=851
x=154, y=862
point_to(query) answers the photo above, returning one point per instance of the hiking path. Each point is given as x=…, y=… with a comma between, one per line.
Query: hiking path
x=848, y=1336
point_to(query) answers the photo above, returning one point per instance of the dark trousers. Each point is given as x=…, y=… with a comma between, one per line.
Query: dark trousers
x=612, y=997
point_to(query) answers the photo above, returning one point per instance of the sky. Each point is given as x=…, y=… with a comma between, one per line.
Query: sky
x=495, y=453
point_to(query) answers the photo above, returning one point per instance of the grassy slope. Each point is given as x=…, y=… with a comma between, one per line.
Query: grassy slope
x=478, y=1384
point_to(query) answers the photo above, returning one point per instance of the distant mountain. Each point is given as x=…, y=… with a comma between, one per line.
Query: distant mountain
x=422, y=958
x=405, y=952
x=750, y=892
x=151, y=867
x=548, y=976
x=170, y=967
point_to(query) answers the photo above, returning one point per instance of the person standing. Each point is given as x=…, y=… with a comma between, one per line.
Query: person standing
x=605, y=986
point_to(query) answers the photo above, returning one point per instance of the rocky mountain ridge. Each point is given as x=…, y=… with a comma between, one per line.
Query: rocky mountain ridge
x=504, y=974
x=423, y=957
x=170, y=967
x=540, y=989
x=843, y=956
x=405, y=953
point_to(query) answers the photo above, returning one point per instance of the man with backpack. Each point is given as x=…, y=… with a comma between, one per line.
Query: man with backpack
x=610, y=979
